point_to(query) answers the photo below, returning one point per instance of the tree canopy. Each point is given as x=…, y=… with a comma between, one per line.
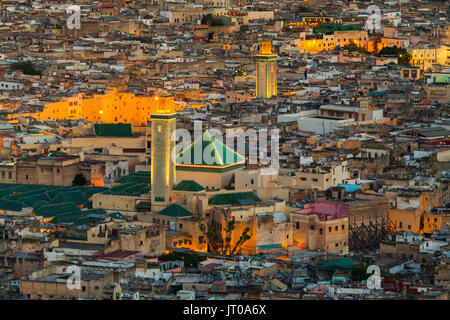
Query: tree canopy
x=27, y=67
x=79, y=180
x=213, y=21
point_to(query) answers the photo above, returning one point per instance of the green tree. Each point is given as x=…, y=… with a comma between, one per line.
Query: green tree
x=402, y=54
x=190, y=259
x=27, y=67
x=359, y=273
x=210, y=20
x=79, y=180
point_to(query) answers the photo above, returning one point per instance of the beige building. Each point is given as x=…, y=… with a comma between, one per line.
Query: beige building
x=427, y=58
x=320, y=177
x=184, y=229
x=315, y=233
x=266, y=186
x=51, y=283
x=264, y=223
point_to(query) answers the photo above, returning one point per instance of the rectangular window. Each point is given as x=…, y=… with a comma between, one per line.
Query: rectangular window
x=320, y=231
x=297, y=225
x=329, y=229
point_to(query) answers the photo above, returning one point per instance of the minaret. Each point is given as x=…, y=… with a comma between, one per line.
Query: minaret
x=163, y=168
x=266, y=71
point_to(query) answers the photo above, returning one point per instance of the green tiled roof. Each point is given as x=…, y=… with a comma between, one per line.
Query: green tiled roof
x=136, y=177
x=11, y=205
x=144, y=205
x=117, y=216
x=30, y=200
x=76, y=197
x=188, y=185
x=235, y=198
x=220, y=153
x=340, y=264
x=98, y=211
x=176, y=210
x=76, y=218
x=113, y=129
x=53, y=210
x=39, y=204
x=129, y=189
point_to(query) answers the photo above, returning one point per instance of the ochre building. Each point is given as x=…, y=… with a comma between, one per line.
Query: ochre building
x=112, y=107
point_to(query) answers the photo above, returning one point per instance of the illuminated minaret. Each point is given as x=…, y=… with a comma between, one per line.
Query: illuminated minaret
x=266, y=71
x=163, y=168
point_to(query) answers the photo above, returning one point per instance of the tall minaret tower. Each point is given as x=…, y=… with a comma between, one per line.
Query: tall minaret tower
x=163, y=168
x=266, y=71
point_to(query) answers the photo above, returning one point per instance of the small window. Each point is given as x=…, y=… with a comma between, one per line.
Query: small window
x=320, y=231
x=297, y=225
x=329, y=229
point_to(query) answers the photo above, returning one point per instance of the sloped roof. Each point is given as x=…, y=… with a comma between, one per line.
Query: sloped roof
x=11, y=205
x=129, y=189
x=235, y=198
x=31, y=200
x=113, y=129
x=117, y=216
x=220, y=154
x=39, y=204
x=144, y=205
x=176, y=210
x=57, y=209
x=340, y=264
x=188, y=185
x=76, y=197
x=136, y=177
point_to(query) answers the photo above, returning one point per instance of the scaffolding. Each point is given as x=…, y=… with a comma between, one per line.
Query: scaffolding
x=368, y=236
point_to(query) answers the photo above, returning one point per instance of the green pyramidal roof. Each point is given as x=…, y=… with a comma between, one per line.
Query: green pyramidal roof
x=208, y=151
x=188, y=185
x=176, y=210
